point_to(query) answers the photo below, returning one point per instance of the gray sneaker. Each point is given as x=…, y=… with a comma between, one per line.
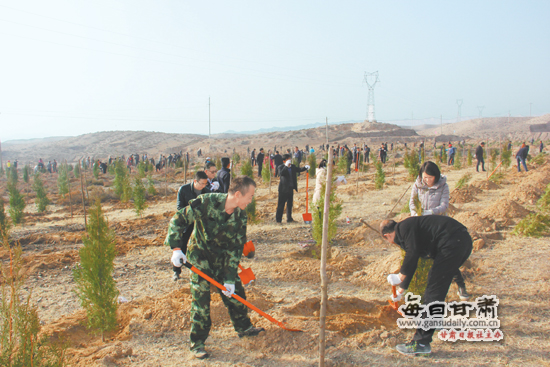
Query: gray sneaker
x=463, y=294
x=200, y=353
x=413, y=348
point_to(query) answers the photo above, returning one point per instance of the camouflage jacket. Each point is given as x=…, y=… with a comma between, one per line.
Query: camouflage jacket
x=217, y=242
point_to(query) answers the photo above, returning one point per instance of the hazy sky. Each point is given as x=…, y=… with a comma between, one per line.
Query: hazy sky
x=70, y=67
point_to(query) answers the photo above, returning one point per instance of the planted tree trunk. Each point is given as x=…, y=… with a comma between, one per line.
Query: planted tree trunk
x=82, y=190
x=324, y=250
x=69, y=186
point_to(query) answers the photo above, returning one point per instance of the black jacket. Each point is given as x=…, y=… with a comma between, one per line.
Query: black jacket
x=424, y=237
x=260, y=159
x=289, y=182
x=224, y=177
x=277, y=160
x=523, y=152
x=479, y=152
x=186, y=193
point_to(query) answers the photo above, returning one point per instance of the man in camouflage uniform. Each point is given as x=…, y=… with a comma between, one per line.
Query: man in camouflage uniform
x=215, y=247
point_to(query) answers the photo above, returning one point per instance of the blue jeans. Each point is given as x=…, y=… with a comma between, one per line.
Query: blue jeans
x=520, y=159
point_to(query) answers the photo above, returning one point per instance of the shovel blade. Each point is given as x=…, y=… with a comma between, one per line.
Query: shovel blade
x=307, y=218
x=247, y=276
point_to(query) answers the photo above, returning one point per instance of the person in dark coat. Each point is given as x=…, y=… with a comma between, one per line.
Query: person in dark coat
x=441, y=238
x=521, y=156
x=186, y=193
x=288, y=183
x=277, y=161
x=479, y=157
x=224, y=176
x=210, y=169
x=260, y=161
x=349, y=156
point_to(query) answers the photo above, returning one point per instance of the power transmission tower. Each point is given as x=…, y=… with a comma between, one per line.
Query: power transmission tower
x=480, y=109
x=459, y=114
x=371, y=79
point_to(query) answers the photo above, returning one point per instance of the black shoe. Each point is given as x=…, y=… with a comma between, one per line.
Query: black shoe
x=413, y=348
x=464, y=296
x=200, y=353
x=290, y=220
x=251, y=331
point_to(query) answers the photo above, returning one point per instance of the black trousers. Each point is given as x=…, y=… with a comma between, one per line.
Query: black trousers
x=288, y=199
x=260, y=165
x=482, y=164
x=445, y=267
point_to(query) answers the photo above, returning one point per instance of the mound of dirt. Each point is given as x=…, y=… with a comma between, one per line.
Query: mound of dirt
x=463, y=195
x=526, y=194
x=475, y=222
x=485, y=185
x=358, y=235
x=505, y=208
x=347, y=315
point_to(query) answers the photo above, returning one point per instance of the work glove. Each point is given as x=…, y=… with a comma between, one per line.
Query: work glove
x=178, y=258
x=397, y=298
x=215, y=185
x=288, y=163
x=307, y=167
x=394, y=279
x=427, y=212
x=230, y=290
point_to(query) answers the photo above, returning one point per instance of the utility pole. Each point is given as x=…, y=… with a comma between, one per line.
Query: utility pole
x=371, y=79
x=459, y=113
x=530, y=104
x=209, y=130
x=480, y=109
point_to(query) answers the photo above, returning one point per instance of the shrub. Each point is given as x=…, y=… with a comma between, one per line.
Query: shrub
x=463, y=181
x=470, y=158
x=139, y=196
x=410, y=161
x=444, y=156
x=120, y=178
x=533, y=225
x=544, y=201
x=95, y=286
x=420, y=278
x=76, y=171
x=494, y=159
x=142, y=167
x=63, y=180
x=317, y=213
x=236, y=159
x=151, y=186
x=42, y=200
x=379, y=176
x=17, y=203
x=506, y=157
x=26, y=173
x=246, y=169
x=266, y=172
x=251, y=211
x=218, y=163
x=458, y=159
x=95, y=170
x=312, y=161
x=343, y=164
x=4, y=223
x=21, y=344
x=539, y=159
x=13, y=175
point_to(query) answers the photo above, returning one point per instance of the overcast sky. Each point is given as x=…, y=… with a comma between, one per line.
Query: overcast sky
x=70, y=67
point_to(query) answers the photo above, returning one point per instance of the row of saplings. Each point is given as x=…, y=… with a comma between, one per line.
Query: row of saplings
x=21, y=344
x=122, y=186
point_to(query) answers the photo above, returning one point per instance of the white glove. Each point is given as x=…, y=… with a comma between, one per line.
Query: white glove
x=394, y=279
x=307, y=167
x=288, y=163
x=397, y=298
x=178, y=258
x=215, y=185
x=427, y=212
x=230, y=290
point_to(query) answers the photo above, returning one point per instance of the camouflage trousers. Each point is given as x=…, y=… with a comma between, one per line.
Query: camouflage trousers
x=200, y=310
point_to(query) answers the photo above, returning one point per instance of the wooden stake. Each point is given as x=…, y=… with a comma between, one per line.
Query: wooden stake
x=324, y=251
x=69, y=186
x=82, y=191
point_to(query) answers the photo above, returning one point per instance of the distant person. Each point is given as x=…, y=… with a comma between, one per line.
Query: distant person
x=287, y=185
x=479, y=157
x=349, y=156
x=541, y=147
x=320, y=179
x=260, y=161
x=298, y=155
x=521, y=156
x=277, y=161
x=224, y=176
x=451, y=155
x=211, y=170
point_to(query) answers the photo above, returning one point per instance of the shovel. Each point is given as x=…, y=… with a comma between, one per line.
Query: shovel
x=307, y=216
x=240, y=299
x=246, y=275
x=394, y=305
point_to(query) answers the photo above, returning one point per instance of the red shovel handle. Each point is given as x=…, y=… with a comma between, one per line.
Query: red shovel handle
x=307, y=187
x=240, y=299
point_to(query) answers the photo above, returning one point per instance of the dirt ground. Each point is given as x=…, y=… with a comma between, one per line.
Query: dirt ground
x=361, y=330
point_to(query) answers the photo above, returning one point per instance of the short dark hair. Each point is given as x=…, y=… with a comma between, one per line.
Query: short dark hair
x=208, y=165
x=388, y=227
x=323, y=163
x=431, y=169
x=241, y=184
x=225, y=162
x=286, y=157
x=200, y=175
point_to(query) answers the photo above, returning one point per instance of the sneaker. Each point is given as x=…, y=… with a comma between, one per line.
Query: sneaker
x=413, y=348
x=251, y=331
x=464, y=296
x=200, y=353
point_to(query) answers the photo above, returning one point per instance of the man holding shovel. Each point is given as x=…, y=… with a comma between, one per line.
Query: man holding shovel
x=215, y=248
x=441, y=238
